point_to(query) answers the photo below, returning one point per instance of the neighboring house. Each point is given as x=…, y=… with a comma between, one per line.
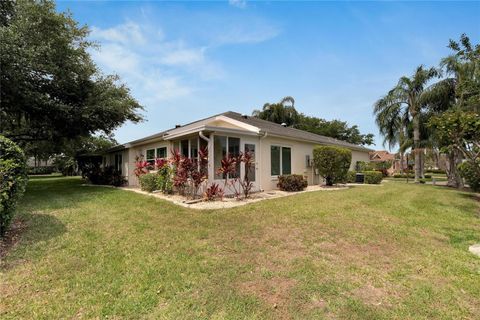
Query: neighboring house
x=383, y=155
x=277, y=149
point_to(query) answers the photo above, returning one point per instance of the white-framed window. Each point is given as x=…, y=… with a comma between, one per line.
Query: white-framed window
x=221, y=146
x=280, y=160
x=150, y=156
x=162, y=152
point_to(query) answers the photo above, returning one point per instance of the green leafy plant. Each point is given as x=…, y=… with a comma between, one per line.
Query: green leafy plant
x=148, y=182
x=332, y=163
x=373, y=177
x=13, y=180
x=165, y=178
x=351, y=176
x=292, y=182
x=470, y=171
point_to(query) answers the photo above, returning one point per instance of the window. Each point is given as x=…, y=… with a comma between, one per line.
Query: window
x=118, y=163
x=286, y=160
x=219, y=152
x=234, y=150
x=280, y=160
x=150, y=156
x=221, y=145
x=194, y=148
x=184, y=148
x=162, y=152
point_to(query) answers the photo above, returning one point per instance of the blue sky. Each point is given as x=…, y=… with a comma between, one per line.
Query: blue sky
x=188, y=60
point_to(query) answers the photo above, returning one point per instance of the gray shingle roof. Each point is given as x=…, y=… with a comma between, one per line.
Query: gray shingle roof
x=270, y=128
x=292, y=133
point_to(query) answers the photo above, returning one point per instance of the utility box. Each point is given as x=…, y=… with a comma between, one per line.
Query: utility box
x=359, y=178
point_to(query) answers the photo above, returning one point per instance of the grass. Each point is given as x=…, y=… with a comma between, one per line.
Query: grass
x=395, y=251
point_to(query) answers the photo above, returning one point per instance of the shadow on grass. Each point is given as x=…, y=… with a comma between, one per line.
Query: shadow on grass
x=44, y=176
x=26, y=231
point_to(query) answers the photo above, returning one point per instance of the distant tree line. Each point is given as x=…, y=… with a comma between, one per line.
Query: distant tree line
x=284, y=112
x=438, y=108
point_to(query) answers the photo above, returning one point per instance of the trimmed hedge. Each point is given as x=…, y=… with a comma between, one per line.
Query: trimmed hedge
x=148, y=182
x=373, y=177
x=351, y=176
x=412, y=176
x=13, y=180
x=332, y=163
x=292, y=182
x=438, y=171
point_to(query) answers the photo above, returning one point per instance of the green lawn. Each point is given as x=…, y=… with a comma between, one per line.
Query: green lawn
x=397, y=251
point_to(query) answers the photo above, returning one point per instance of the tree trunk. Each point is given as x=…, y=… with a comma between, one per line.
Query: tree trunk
x=416, y=142
x=453, y=176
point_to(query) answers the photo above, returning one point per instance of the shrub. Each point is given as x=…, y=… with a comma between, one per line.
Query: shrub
x=332, y=163
x=470, y=171
x=404, y=175
x=351, y=176
x=104, y=176
x=66, y=165
x=41, y=170
x=373, y=177
x=148, y=182
x=292, y=182
x=437, y=171
x=213, y=192
x=13, y=180
x=165, y=178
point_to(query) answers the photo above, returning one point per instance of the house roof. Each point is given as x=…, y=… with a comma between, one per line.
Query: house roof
x=276, y=129
x=381, y=155
x=270, y=128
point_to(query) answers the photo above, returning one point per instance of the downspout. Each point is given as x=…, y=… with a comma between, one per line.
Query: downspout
x=260, y=157
x=203, y=137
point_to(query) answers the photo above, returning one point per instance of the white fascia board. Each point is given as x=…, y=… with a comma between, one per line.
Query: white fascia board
x=239, y=124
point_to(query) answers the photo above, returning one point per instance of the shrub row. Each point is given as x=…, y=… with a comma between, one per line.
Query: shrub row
x=41, y=170
x=105, y=176
x=438, y=171
x=292, y=182
x=410, y=175
x=13, y=180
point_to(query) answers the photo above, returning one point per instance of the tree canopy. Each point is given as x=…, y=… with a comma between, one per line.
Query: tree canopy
x=285, y=112
x=51, y=90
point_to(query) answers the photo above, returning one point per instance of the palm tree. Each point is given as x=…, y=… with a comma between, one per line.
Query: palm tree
x=400, y=106
x=282, y=112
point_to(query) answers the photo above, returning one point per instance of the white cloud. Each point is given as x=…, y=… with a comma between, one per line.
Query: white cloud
x=157, y=68
x=238, y=3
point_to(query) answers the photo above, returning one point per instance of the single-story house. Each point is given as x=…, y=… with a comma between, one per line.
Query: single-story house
x=277, y=149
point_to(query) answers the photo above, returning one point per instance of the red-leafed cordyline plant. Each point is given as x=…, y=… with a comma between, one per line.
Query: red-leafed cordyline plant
x=160, y=163
x=213, y=192
x=141, y=166
x=232, y=179
x=190, y=173
x=229, y=171
x=245, y=183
